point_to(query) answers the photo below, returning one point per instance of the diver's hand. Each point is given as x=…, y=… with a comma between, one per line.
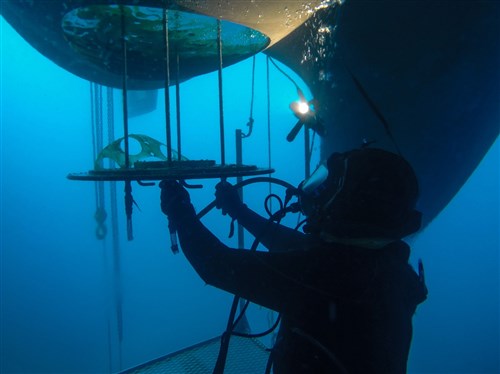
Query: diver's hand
x=227, y=199
x=175, y=201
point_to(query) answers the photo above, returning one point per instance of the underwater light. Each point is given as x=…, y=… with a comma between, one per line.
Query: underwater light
x=305, y=111
x=302, y=107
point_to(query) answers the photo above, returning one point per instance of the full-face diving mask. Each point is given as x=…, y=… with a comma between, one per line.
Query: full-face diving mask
x=318, y=191
x=365, y=192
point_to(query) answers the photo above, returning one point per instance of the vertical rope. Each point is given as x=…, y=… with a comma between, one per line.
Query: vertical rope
x=253, y=89
x=268, y=85
x=97, y=145
x=250, y=117
x=100, y=215
x=116, y=263
x=221, y=102
x=117, y=288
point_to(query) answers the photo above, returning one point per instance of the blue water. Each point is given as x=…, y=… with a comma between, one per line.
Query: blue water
x=57, y=309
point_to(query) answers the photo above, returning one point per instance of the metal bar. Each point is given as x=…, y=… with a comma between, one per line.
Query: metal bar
x=128, y=187
x=129, y=203
x=167, y=84
x=124, y=91
x=92, y=119
x=178, y=108
x=100, y=120
x=111, y=116
x=117, y=274
x=221, y=102
x=307, y=153
x=239, y=179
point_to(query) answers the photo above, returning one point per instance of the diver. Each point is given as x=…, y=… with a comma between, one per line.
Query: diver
x=344, y=287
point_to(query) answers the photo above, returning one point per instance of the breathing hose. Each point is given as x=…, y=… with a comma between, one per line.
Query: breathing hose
x=225, y=338
x=232, y=322
x=246, y=182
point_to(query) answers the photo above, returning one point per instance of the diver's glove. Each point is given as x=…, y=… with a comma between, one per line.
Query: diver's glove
x=228, y=200
x=175, y=201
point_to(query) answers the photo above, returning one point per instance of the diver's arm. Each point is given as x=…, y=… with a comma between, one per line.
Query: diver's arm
x=268, y=279
x=275, y=237
x=275, y=280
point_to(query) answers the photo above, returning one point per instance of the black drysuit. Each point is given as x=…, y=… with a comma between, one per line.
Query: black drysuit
x=345, y=309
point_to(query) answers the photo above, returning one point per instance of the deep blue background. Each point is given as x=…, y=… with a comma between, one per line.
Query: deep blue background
x=56, y=294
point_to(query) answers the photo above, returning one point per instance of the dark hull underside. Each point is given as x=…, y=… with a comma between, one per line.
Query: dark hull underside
x=431, y=67
x=84, y=37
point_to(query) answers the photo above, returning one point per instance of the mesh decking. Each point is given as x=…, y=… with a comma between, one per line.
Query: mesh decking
x=244, y=356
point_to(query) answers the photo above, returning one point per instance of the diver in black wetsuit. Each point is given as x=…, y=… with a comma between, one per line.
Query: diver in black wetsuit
x=344, y=288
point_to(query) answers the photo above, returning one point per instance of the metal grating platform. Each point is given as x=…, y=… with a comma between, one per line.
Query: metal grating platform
x=176, y=170
x=245, y=356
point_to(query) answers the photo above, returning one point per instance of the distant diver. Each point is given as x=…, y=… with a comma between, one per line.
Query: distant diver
x=344, y=287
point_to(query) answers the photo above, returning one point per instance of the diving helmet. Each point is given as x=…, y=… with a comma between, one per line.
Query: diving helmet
x=365, y=192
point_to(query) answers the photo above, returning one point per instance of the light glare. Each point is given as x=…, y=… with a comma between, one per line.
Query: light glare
x=303, y=107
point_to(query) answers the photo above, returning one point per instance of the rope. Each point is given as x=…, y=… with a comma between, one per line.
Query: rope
x=375, y=110
x=232, y=321
x=118, y=298
x=97, y=119
x=260, y=334
x=97, y=145
x=116, y=263
x=253, y=87
x=268, y=88
x=283, y=72
x=250, y=117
